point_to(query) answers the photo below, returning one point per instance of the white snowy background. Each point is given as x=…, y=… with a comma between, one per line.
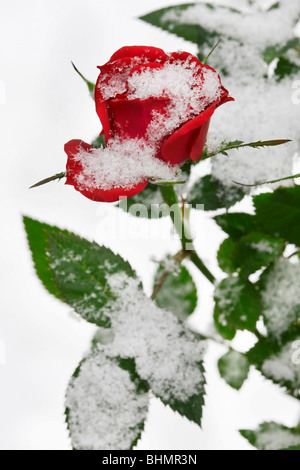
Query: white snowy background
x=43, y=104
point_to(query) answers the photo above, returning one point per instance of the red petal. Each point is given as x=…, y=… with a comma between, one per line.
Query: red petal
x=73, y=165
x=150, y=53
x=199, y=142
x=114, y=194
x=183, y=56
x=130, y=118
x=179, y=146
x=150, y=65
x=74, y=168
x=110, y=70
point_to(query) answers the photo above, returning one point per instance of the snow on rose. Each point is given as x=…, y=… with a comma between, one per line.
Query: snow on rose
x=155, y=109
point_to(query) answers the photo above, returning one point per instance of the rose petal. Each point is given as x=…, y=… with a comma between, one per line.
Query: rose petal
x=178, y=147
x=114, y=194
x=108, y=72
x=199, y=142
x=183, y=57
x=149, y=65
x=74, y=168
x=148, y=52
x=130, y=118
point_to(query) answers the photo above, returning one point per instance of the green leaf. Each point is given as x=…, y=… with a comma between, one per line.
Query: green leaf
x=178, y=293
x=225, y=256
x=254, y=251
x=192, y=408
x=171, y=19
x=75, y=270
x=237, y=224
x=275, y=6
x=293, y=448
x=81, y=270
x=237, y=304
x=286, y=68
x=234, y=369
x=147, y=204
x=99, y=142
x=280, y=292
x=272, y=436
x=106, y=405
x=278, y=213
x=227, y=331
x=272, y=52
x=90, y=85
x=279, y=361
x=190, y=32
x=213, y=195
x=37, y=239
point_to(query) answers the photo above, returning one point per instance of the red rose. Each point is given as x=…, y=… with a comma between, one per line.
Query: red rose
x=162, y=102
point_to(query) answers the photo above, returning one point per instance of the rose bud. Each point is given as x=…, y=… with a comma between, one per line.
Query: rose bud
x=155, y=110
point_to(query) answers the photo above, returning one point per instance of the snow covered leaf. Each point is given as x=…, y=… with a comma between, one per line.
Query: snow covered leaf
x=147, y=204
x=279, y=361
x=280, y=292
x=272, y=436
x=192, y=407
x=237, y=224
x=234, y=368
x=278, y=213
x=237, y=306
x=167, y=355
x=106, y=406
x=169, y=20
x=250, y=253
x=75, y=270
x=287, y=63
x=254, y=251
x=178, y=293
x=80, y=269
x=210, y=192
x=274, y=52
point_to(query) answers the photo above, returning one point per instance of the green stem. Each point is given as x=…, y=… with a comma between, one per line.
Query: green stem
x=182, y=228
x=201, y=266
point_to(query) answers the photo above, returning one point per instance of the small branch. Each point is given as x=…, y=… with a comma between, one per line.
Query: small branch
x=178, y=258
x=268, y=182
x=159, y=284
x=201, y=266
x=59, y=176
x=294, y=254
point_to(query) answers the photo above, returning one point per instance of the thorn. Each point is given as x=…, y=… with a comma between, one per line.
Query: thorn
x=213, y=49
x=59, y=176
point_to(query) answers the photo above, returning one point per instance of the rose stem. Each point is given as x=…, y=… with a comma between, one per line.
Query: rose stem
x=170, y=197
